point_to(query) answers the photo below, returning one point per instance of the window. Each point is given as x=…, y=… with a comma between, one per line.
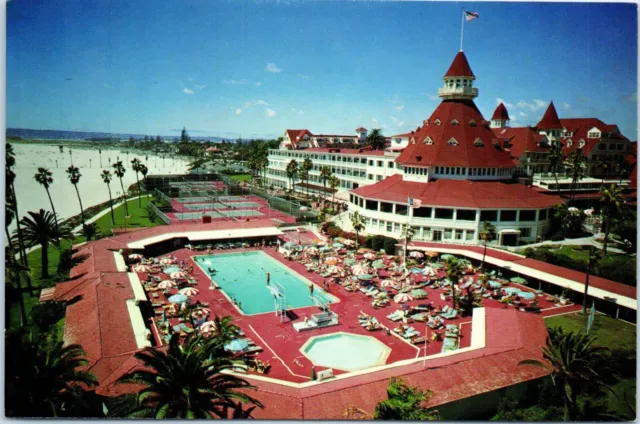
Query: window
x=543, y=214
x=602, y=146
x=455, y=123
x=452, y=142
x=389, y=164
x=593, y=134
x=478, y=143
x=437, y=122
x=581, y=143
x=426, y=232
x=489, y=215
x=527, y=215
x=444, y=213
x=448, y=233
x=428, y=141
x=472, y=123
x=422, y=212
x=466, y=214
x=390, y=227
x=370, y=176
x=401, y=210
x=525, y=232
x=374, y=223
x=612, y=146
x=386, y=207
x=470, y=235
x=371, y=205
x=370, y=162
x=620, y=146
x=378, y=177
x=508, y=215
x=569, y=143
x=396, y=227
x=380, y=164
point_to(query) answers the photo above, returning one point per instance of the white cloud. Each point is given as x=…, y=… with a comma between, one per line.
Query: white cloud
x=247, y=105
x=187, y=91
x=533, y=106
x=200, y=87
x=258, y=83
x=303, y=76
x=238, y=111
x=506, y=104
x=567, y=106
x=398, y=122
x=271, y=67
x=235, y=82
x=270, y=113
x=524, y=114
x=296, y=111
x=400, y=107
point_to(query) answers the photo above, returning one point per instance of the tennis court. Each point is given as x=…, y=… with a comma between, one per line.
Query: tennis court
x=206, y=206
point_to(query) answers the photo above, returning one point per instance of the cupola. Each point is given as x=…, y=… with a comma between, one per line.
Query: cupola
x=458, y=81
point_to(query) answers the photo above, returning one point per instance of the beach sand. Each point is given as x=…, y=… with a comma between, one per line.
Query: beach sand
x=32, y=196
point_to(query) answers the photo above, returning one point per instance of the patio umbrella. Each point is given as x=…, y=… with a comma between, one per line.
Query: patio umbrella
x=416, y=255
x=349, y=261
x=331, y=260
x=432, y=254
x=418, y=294
x=348, y=242
x=205, y=311
x=387, y=283
x=178, y=298
x=319, y=242
x=237, y=345
x=313, y=251
x=369, y=255
x=178, y=275
x=189, y=291
x=364, y=250
x=416, y=271
x=334, y=270
x=325, y=249
x=512, y=290
x=167, y=261
x=402, y=297
x=429, y=271
x=338, y=245
x=142, y=268
x=495, y=285
x=359, y=269
x=166, y=284
x=208, y=327
x=518, y=280
x=135, y=256
x=437, y=265
x=447, y=256
x=527, y=295
x=379, y=264
x=365, y=277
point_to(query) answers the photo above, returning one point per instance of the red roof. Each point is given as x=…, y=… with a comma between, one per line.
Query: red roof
x=361, y=129
x=461, y=121
x=550, y=120
x=296, y=136
x=501, y=112
x=346, y=151
x=521, y=140
x=580, y=127
x=458, y=193
x=460, y=67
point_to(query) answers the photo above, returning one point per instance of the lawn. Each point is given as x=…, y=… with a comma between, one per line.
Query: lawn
x=241, y=177
x=582, y=255
x=608, y=332
x=138, y=217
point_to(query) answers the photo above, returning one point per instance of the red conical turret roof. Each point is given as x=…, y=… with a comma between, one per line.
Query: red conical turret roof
x=460, y=67
x=550, y=120
x=500, y=113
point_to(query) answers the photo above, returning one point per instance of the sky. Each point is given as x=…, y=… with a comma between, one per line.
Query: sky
x=253, y=68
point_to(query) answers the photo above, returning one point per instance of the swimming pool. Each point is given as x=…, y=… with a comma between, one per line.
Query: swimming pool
x=345, y=351
x=217, y=205
x=242, y=276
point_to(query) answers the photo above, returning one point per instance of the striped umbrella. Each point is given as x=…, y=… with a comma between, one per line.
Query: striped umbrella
x=205, y=311
x=166, y=284
x=348, y=242
x=208, y=327
x=387, y=283
x=379, y=264
x=402, y=297
x=432, y=254
x=167, y=261
x=333, y=270
x=416, y=255
x=359, y=269
x=331, y=260
x=135, y=256
x=189, y=291
x=312, y=251
x=142, y=268
x=369, y=255
x=178, y=275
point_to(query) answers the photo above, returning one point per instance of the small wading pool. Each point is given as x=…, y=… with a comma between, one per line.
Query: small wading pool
x=345, y=351
x=242, y=276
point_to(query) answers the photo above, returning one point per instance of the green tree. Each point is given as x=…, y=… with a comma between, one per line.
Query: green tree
x=44, y=177
x=14, y=272
x=45, y=379
x=376, y=140
x=135, y=165
x=119, y=170
x=404, y=402
x=292, y=171
x=603, y=164
x=358, y=225
x=407, y=232
x=569, y=357
x=325, y=174
x=74, y=176
x=40, y=229
x=556, y=158
x=107, y=177
x=592, y=260
x=611, y=207
x=576, y=166
x=182, y=382
x=487, y=233
x=307, y=166
x=454, y=272
x=334, y=183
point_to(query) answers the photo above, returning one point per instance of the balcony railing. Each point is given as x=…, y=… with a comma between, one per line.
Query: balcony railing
x=457, y=91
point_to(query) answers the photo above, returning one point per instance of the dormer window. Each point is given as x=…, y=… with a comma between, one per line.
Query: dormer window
x=455, y=123
x=437, y=122
x=569, y=143
x=478, y=143
x=425, y=122
x=413, y=140
x=581, y=143
x=428, y=141
x=593, y=134
x=472, y=123
x=452, y=142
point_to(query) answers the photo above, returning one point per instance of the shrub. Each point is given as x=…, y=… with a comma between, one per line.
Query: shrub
x=66, y=261
x=557, y=237
x=390, y=245
x=44, y=315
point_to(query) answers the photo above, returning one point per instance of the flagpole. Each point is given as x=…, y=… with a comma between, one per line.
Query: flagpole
x=462, y=30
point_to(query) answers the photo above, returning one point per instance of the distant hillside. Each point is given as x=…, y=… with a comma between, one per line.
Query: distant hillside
x=26, y=133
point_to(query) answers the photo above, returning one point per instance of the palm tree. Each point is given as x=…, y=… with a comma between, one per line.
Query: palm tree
x=576, y=166
x=569, y=358
x=106, y=177
x=325, y=174
x=376, y=140
x=119, y=171
x=592, y=259
x=44, y=177
x=487, y=234
x=404, y=403
x=454, y=272
x=307, y=165
x=40, y=229
x=334, y=183
x=182, y=383
x=135, y=165
x=358, y=225
x=611, y=201
x=556, y=157
x=45, y=379
x=144, y=171
x=100, y=154
x=603, y=164
x=304, y=175
x=408, y=231
x=74, y=176
x=292, y=171
x=14, y=272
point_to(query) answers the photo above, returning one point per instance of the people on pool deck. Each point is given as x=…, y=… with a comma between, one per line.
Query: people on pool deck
x=311, y=288
x=212, y=270
x=268, y=278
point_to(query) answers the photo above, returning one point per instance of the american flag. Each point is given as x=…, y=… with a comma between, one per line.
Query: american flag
x=414, y=203
x=469, y=16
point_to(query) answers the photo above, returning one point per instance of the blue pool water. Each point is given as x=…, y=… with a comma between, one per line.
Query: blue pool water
x=170, y=269
x=242, y=276
x=346, y=351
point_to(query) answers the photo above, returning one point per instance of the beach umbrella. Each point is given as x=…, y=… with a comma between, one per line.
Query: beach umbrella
x=418, y=294
x=359, y=269
x=364, y=250
x=312, y=251
x=325, y=249
x=178, y=275
x=166, y=284
x=189, y=291
x=167, y=261
x=387, y=283
x=527, y=295
x=204, y=311
x=135, y=256
x=178, y=298
x=402, y=297
x=518, y=280
x=379, y=264
x=237, y=345
x=416, y=271
x=320, y=242
x=338, y=245
x=447, y=256
x=331, y=260
x=495, y=284
x=348, y=242
x=334, y=269
x=512, y=290
x=416, y=255
x=142, y=268
x=365, y=277
x=349, y=261
x=208, y=327
x=369, y=255
x=432, y=254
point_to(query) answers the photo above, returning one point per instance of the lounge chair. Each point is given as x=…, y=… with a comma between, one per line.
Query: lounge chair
x=451, y=314
x=396, y=316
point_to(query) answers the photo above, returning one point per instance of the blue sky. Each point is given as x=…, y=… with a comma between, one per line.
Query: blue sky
x=255, y=68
